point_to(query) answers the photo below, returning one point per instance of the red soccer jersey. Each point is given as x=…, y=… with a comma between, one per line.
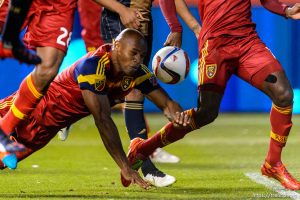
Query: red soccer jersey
x=225, y=17
x=63, y=103
x=57, y=5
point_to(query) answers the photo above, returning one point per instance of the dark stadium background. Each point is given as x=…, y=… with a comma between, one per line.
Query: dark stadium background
x=280, y=35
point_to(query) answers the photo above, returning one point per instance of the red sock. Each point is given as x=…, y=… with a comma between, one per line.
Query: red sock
x=167, y=135
x=281, y=124
x=26, y=100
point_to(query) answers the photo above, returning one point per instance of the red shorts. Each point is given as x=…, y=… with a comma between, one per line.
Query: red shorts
x=247, y=57
x=3, y=12
x=29, y=132
x=47, y=25
x=90, y=22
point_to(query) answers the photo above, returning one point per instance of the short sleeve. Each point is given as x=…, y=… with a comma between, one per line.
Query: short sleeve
x=90, y=75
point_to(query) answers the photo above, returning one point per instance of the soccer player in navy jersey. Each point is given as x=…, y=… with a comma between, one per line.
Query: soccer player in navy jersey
x=116, y=16
x=229, y=44
x=93, y=85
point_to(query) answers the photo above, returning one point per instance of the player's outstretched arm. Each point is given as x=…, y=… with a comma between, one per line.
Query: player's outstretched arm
x=184, y=12
x=130, y=17
x=282, y=9
x=99, y=106
x=293, y=12
x=169, y=12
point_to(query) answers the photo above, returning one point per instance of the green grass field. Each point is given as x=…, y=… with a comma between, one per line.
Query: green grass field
x=213, y=164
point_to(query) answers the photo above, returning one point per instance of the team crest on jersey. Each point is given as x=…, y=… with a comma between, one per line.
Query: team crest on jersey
x=100, y=84
x=126, y=82
x=211, y=70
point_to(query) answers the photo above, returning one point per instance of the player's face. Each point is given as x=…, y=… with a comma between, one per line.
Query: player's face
x=131, y=55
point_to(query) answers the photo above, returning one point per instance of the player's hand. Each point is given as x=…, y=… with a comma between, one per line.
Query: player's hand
x=130, y=18
x=182, y=118
x=134, y=177
x=174, y=39
x=293, y=12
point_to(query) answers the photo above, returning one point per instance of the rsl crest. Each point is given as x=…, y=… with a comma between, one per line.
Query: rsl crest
x=126, y=82
x=211, y=70
x=100, y=84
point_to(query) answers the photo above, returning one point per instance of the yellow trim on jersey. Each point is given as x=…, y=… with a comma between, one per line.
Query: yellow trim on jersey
x=32, y=88
x=145, y=68
x=141, y=79
x=202, y=63
x=17, y=113
x=101, y=64
x=91, y=79
x=279, y=138
x=100, y=72
x=7, y=103
x=283, y=110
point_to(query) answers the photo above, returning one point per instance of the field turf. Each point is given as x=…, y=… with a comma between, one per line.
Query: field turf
x=213, y=163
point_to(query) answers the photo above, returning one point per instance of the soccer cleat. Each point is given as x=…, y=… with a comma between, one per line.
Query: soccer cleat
x=281, y=174
x=19, y=52
x=7, y=149
x=159, y=179
x=9, y=160
x=64, y=133
x=161, y=156
x=135, y=159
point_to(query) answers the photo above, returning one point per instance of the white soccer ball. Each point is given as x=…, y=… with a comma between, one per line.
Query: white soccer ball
x=171, y=64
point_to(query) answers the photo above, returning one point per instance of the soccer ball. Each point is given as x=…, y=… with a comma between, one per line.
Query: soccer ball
x=171, y=64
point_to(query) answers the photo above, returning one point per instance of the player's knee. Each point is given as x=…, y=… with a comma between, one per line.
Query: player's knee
x=135, y=95
x=44, y=75
x=206, y=115
x=212, y=115
x=284, y=97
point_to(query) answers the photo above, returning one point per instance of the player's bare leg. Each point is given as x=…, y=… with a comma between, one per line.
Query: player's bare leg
x=278, y=88
x=32, y=89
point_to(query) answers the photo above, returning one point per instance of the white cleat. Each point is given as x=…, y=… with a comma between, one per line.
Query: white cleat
x=64, y=133
x=161, y=156
x=159, y=179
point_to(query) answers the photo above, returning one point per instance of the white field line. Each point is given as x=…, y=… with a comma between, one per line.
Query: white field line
x=273, y=185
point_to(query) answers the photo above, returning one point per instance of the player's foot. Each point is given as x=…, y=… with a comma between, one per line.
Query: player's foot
x=7, y=149
x=19, y=52
x=161, y=156
x=135, y=159
x=159, y=179
x=154, y=176
x=64, y=133
x=281, y=174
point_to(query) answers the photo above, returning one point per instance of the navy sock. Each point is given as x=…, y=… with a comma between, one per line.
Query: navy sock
x=134, y=119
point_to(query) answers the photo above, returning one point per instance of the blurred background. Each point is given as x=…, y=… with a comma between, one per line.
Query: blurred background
x=279, y=34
